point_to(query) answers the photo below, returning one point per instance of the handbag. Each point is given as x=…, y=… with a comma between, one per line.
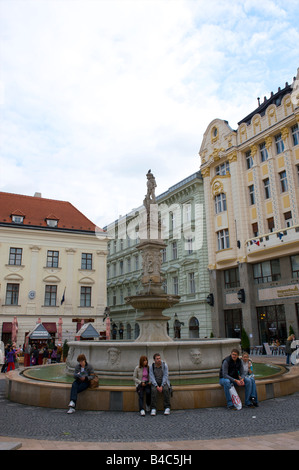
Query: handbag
x=235, y=398
x=94, y=382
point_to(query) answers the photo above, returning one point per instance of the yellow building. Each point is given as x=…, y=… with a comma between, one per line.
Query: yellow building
x=251, y=186
x=53, y=267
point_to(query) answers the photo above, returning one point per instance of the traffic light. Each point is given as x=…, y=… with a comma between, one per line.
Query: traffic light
x=241, y=295
x=210, y=299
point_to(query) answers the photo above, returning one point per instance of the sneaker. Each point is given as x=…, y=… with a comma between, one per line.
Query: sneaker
x=167, y=411
x=72, y=404
x=71, y=410
x=142, y=412
x=253, y=401
x=231, y=408
x=153, y=412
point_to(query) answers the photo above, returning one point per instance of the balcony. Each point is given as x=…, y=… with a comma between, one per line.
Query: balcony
x=281, y=242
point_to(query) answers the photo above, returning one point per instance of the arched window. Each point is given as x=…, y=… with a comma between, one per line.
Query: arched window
x=193, y=328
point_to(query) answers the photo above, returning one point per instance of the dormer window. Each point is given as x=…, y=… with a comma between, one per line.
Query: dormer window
x=52, y=221
x=17, y=219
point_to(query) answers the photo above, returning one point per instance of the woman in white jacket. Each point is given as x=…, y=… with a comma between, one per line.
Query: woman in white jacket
x=141, y=379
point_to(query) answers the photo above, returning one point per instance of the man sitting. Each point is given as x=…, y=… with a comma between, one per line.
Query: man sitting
x=158, y=376
x=232, y=373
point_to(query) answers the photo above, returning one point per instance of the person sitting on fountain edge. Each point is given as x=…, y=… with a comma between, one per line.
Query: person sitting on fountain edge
x=83, y=374
x=232, y=373
x=158, y=376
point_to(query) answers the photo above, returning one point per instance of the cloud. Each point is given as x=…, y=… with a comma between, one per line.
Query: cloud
x=97, y=92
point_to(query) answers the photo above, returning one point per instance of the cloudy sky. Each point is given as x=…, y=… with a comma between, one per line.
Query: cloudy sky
x=93, y=93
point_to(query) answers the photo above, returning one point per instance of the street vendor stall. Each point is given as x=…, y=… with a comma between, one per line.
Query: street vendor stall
x=87, y=332
x=38, y=336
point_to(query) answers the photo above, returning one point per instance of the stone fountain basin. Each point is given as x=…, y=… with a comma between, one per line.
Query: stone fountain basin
x=185, y=359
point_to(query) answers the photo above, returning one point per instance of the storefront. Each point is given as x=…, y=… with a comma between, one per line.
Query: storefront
x=272, y=324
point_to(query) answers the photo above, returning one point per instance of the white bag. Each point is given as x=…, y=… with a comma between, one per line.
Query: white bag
x=235, y=398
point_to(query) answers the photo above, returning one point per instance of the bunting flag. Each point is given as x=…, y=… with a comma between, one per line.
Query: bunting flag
x=280, y=235
x=63, y=297
x=257, y=242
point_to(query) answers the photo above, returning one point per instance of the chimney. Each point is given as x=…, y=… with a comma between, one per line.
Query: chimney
x=37, y=194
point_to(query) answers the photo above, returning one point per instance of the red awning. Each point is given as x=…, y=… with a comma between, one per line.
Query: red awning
x=6, y=327
x=50, y=327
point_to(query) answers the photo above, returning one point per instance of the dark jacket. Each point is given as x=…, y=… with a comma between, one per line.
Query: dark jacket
x=88, y=372
x=231, y=370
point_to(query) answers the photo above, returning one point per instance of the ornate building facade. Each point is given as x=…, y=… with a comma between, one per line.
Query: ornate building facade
x=251, y=187
x=184, y=263
x=53, y=267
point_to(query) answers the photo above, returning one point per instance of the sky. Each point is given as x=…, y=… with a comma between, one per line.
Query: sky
x=94, y=93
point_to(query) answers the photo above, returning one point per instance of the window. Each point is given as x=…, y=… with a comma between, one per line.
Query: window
x=279, y=144
x=220, y=203
x=128, y=265
x=15, y=256
x=223, y=239
x=164, y=255
x=283, y=181
x=136, y=262
x=52, y=259
x=231, y=278
x=222, y=169
x=86, y=261
x=50, y=296
x=190, y=245
x=174, y=250
x=295, y=134
x=191, y=280
x=249, y=160
x=288, y=219
x=295, y=265
x=271, y=225
x=18, y=219
x=251, y=194
x=52, y=223
x=121, y=267
x=267, y=188
x=175, y=283
x=85, y=297
x=297, y=173
x=12, y=294
x=268, y=271
x=263, y=152
x=255, y=229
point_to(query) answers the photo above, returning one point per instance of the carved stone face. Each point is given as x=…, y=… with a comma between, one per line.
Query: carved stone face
x=114, y=356
x=195, y=356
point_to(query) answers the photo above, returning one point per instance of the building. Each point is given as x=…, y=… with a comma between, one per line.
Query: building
x=53, y=267
x=184, y=263
x=251, y=187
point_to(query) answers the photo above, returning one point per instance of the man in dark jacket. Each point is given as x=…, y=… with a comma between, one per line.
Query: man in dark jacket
x=232, y=373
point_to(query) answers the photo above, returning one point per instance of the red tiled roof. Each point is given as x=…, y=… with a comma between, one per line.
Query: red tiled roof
x=37, y=209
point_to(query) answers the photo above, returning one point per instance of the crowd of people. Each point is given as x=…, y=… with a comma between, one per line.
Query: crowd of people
x=36, y=355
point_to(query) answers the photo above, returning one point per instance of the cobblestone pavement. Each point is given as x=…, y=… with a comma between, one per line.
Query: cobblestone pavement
x=273, y=416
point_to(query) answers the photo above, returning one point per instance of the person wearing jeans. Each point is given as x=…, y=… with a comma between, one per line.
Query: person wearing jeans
x=232, y=373
x=160, y=384
x=83, y=374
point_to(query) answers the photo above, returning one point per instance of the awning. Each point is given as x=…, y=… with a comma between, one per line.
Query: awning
x=87, y=331
x=39, y=332
x=50, y=327
x=6, y=327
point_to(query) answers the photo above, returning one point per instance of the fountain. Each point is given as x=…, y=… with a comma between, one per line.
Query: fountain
x=185, y=358
x=193, y=364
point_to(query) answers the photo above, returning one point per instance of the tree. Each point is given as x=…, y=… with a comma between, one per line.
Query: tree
x=245, y=343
